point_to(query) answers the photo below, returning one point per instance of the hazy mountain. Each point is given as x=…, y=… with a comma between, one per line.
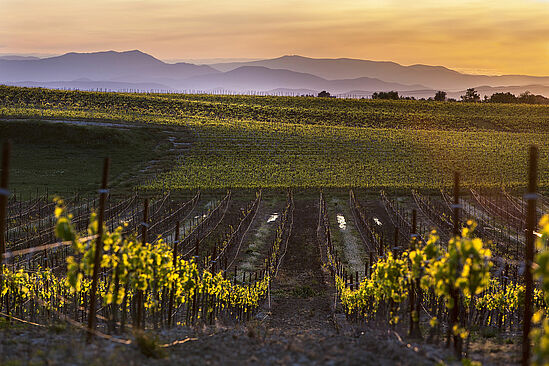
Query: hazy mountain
x=86, y=84
x=130, y=66
x=249, y=78
x=208, y=61
x=284, y=75
x=435, y=77
x=18, y=58
x=291, y=92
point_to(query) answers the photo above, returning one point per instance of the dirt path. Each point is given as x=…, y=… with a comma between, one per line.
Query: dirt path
x=302, y=293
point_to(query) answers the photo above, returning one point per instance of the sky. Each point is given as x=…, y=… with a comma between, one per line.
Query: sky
x=488, y=36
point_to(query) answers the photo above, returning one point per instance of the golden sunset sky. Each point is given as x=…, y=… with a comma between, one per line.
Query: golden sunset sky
x=489, y=36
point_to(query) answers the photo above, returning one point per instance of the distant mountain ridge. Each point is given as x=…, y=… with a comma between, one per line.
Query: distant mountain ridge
x=285, y=75
x=130, y=66
x=435, y=77
x=247, y=78
x=18, y=58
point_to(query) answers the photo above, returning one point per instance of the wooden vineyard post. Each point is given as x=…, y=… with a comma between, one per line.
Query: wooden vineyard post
x=456, y=206
x=381, y=247
x=414, y=331
x=98, y=250
x=139, y=294
x=531, y=197
x=175, y=244
x=4, y=194
x=411, y=297
x=454, y=311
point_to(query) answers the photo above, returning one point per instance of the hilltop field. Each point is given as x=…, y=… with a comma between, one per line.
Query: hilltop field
x=184, y=141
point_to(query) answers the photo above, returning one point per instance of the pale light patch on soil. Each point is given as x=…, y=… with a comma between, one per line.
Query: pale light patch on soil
x=341, y=221
x=352, y=249
x=273, y=217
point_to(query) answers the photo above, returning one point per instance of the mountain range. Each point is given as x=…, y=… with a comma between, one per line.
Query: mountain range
x=435, y=77
x=293, y=75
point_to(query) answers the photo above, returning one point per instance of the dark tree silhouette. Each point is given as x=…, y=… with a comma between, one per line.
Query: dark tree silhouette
x=503, y=98
x=440, y=96
x=530, y=98
x=471, y=95
x=386, y=95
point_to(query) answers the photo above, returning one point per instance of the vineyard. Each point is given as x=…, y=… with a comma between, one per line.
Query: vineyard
x=249, y=230
x=175, y=108
x=175, y=260
x=229, y=142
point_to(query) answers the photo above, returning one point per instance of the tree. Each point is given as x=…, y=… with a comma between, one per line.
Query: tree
x=530, y=98
x=440, y=96
x=386, y=95
x=503, y=98
x=471, y=95
x=324, y=94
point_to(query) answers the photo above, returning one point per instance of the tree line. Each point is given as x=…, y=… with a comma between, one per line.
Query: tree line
x=471, y=96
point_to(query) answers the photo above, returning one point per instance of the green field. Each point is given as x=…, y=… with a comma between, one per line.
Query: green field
x=64, y=159
x=249, y=141
x=259, y=155
x=180, y=108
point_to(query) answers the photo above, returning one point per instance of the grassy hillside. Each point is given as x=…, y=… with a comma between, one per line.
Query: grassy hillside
x=259, y=155
x=178, y=108
x=66, y=158
x=247, y=141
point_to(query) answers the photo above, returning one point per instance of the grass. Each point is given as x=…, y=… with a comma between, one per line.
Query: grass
x=291, y=110
x=299, y=291
x=269, y=156
x=273, y=142
x=304, y=292
x=64, y=158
